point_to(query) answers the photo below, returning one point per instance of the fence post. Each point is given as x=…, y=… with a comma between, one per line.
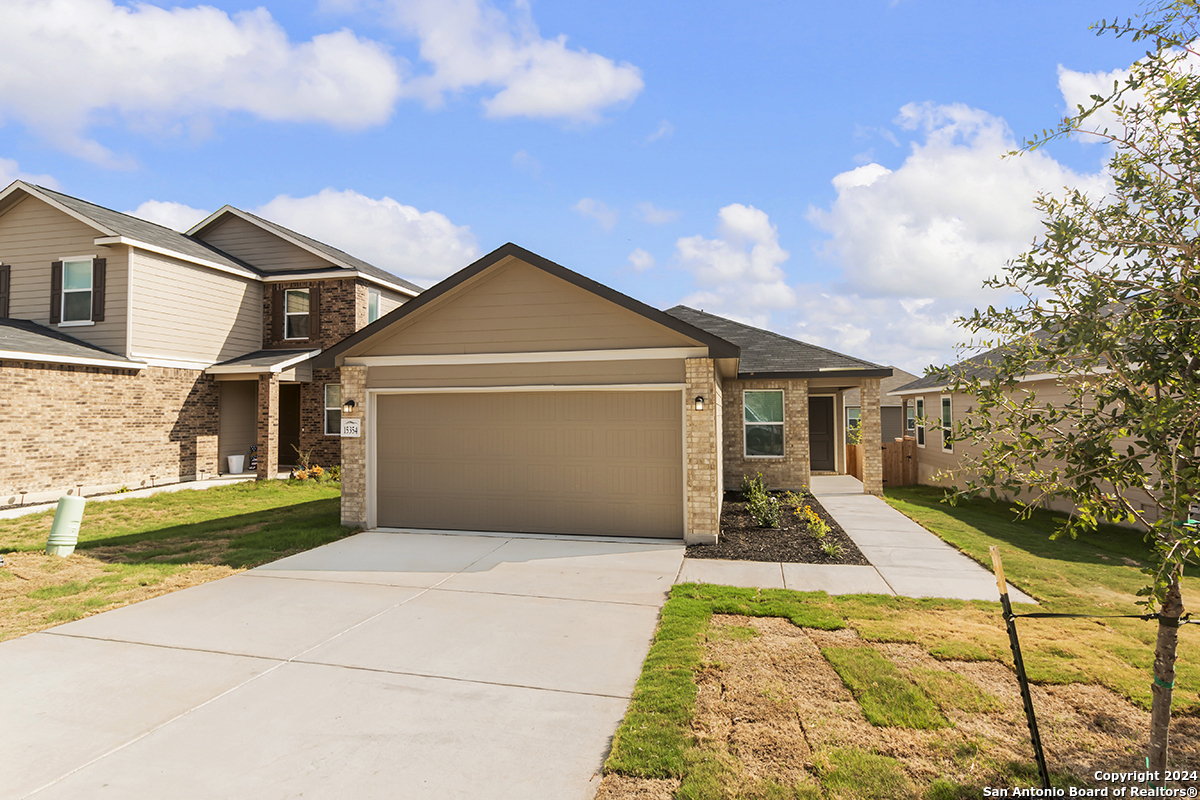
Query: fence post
x=1019, y=663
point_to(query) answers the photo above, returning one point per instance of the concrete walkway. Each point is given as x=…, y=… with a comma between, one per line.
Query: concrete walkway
x=905, y=558
x=384, y=665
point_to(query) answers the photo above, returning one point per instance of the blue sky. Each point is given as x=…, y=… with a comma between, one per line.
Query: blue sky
x=828, y=170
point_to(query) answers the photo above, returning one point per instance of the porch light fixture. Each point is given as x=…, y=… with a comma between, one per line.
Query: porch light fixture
x=699, y=402
x=348, y=407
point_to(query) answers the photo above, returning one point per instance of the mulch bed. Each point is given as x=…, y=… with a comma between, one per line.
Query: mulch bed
x=742, y=540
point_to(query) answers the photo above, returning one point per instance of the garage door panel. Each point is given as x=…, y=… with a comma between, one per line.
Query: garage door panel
x=581, y=462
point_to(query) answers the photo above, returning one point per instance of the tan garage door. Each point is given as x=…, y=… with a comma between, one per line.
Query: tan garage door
x=604, y=463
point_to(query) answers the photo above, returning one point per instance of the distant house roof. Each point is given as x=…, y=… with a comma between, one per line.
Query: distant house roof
x=768, y=354
x=899, y=378
x=982, y=366
x=23, y=340
x=115, y=223
x=335, y=256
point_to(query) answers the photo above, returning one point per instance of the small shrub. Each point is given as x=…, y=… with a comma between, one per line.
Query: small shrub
x=764, y=508
x=831, y=548
x=335, y=472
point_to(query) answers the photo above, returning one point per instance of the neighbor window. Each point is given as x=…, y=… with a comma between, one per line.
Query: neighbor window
x=763, y=422
x=333, y=409
x=372, y=305
x=853, y=417
x=920, y=422
x=77, y=291
x=295, y=314
x=910, y=418
x=947, y=445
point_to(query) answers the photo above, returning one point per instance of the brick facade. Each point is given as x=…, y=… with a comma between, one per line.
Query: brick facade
x=102, y=428
x=268, y=426
x=342, y=306
x=872, y=436
x=702, y=457
x=792, y=470
x=354, y=450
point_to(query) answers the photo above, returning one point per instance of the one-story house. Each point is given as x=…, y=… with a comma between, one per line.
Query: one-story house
x=518, y=395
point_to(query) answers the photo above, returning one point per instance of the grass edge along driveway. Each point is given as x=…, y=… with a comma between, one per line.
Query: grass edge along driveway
x=1097, y=574
x=131, y=550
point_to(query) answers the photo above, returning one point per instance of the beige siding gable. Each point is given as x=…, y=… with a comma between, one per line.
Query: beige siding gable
x=34, y=234
x=192, y=313
x=259, y=247
x=515, y=307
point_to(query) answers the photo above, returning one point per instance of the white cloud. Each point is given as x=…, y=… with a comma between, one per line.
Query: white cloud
x=665, y=131
x=399, y=238
x=176, y=216
x=951, y=215
x=10, y=171
x=739, y=271
x=641, y=260
x=657, y=216
x=472, y=44
x=598, y=211
x=72, y=65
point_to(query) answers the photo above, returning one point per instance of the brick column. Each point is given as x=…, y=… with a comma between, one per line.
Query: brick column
x=796, y=432
x=268, y=426
x=872, y=438
x=702, y=437
x=354, y=450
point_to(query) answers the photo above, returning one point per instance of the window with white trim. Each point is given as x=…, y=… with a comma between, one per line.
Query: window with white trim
x=333, y=409
x=372, y=305
x=77, y=291
x=947, y=422
x=295, y=313
x=920, y=422
x=763, y=422
x=910, y=418
x=853, y=417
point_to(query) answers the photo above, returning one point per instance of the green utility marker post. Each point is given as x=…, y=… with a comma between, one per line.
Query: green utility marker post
x=1019, y=663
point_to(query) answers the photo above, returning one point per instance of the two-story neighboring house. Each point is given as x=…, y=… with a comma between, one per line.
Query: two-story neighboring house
x=131, y=353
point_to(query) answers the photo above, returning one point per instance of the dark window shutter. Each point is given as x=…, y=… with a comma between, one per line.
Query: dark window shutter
x=314, y=312
x=5, y=288
x=276, y=314
x=56, y=293
x=98, y=270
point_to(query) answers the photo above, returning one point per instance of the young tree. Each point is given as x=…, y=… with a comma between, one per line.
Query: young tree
x=1111, y=307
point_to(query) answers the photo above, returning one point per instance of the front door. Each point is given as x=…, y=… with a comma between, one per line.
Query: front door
x=289, y=423
x=821, y=434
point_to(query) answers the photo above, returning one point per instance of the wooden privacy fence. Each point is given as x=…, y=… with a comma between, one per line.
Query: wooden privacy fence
x=854, y=454
x=899, y=462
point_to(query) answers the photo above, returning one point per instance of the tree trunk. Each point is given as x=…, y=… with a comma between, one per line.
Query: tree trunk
x=1164, y=675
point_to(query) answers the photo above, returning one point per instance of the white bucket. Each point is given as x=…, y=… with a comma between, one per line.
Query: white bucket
x=236, y=464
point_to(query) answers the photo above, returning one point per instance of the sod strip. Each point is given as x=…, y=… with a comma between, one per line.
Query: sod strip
x=887, y=698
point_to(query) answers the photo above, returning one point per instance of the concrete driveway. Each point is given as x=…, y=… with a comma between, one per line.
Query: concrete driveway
x=386, y=665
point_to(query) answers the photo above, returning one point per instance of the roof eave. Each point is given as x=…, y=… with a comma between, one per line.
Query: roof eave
x=882, y=372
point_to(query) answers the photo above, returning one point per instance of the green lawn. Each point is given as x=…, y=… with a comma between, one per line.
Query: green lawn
x=1097, y=574
x=132, y=549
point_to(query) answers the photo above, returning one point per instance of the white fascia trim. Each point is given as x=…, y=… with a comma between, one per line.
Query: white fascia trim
x=282, y=366
x=165, y=251
x=33, y=190
x=549, y=387
x=455, y=359
x=170, y=362
x=341, y=273
x=7, y=355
